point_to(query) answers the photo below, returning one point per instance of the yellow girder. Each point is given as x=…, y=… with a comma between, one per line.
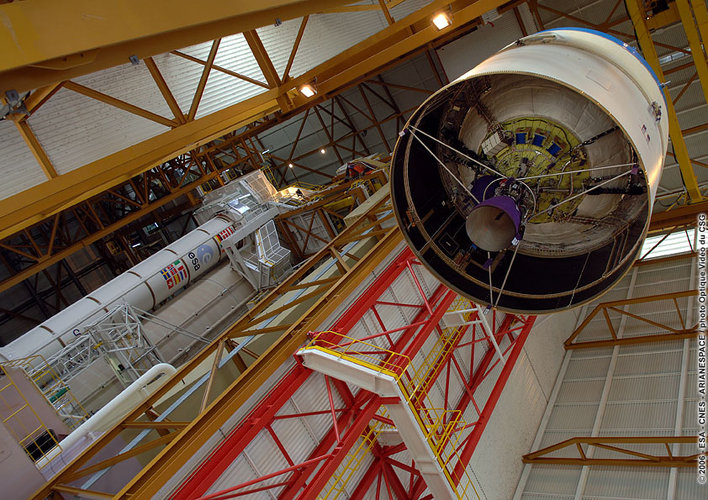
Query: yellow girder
x=45, y=41
x=681, y=151
x=366, y=58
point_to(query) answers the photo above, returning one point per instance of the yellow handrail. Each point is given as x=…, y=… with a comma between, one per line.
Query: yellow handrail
x=440, y=426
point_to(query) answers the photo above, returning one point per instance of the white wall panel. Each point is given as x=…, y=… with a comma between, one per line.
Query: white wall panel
x=407, y=7
x=19, y=169
x=325, y=36
x=546, y=350
x=76, y=130
x=181, y=75
x=553, y=483
x=627, y=482
x=278, y=42
x=511, y=429
x=223, y=90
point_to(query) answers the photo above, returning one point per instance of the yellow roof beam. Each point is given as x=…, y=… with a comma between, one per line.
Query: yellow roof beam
x=35, y=204
x=681, y=151
x=694, y=41
x=664, y=18
x=35, y=147
x=45, y=41
x=366, y=58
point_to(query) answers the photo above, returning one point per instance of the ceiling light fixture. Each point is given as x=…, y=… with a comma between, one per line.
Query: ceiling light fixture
x=308, y=90
x=290, y=165
x=323, y=150
x=442, y=20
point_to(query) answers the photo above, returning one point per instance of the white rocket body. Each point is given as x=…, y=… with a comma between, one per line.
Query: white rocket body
x=144, y=286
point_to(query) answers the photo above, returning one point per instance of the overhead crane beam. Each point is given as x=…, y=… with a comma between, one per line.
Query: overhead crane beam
x=46, y=42
x=367, y=58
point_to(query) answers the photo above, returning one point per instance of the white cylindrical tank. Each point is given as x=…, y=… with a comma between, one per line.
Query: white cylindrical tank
x=527, y=184
x=144, y=286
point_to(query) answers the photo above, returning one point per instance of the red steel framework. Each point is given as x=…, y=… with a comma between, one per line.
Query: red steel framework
x=307, y=478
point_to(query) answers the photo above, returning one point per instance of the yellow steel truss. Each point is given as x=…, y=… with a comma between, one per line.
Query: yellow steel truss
x=400, y=39
x=623, y=450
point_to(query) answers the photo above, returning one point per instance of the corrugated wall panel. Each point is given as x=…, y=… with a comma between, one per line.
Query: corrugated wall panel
x=76, y=130
x=130, y=83
x=626, y=482
x=20, y=170
x=642, y=397
x=407, y=7
x=687, y=486
x=511, y=428
x=223, y=90
x=581, y=391
x=181, y=75
x=235, y=54
x=587, y=368
x=486, y=40
x=278, y=42
x=326, y=35
x=552, y=482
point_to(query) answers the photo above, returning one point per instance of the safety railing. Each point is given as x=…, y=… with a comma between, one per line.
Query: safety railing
x=353, y=462
x=361, y=352
x=54, y=389
x=418, y=377
x=441, y=427
x=22, y=420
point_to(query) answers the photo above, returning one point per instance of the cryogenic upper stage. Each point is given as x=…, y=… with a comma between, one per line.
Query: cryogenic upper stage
x=527, y=183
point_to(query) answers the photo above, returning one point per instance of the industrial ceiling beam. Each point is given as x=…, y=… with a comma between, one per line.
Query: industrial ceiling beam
x=694, y=40
x=679, y=145
x=41, y=44
x=46, y=199
x=680, y=216
x=367, y=58
x=42, y=259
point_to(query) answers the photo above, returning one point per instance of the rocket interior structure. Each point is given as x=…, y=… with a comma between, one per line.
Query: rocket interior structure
x=527, y=183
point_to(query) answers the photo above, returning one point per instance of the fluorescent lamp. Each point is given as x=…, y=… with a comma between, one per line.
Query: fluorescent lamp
x=442, y=21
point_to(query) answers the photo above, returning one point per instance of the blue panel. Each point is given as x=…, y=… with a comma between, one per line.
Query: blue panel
x=553, y=149
x=538, y=140
x=521, y=138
